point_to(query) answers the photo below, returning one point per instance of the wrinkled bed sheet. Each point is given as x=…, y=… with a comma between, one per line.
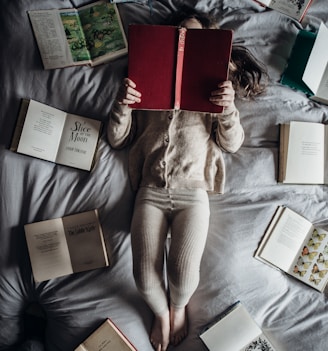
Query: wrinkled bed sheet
x=294, y=316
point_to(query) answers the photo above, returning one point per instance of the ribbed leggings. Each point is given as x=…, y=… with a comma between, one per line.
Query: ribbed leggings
x=185, y=215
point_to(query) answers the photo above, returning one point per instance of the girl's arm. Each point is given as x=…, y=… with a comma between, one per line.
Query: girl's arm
x=120, y=120
x=229, y=132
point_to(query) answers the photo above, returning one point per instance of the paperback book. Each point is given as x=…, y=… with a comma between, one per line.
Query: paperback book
x=292, y=8
x=107, y=337
x=62, y=246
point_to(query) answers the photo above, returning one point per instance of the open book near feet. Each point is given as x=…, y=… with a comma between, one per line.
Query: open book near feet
x=235, y=330
x=107, y=337
x=178, y=68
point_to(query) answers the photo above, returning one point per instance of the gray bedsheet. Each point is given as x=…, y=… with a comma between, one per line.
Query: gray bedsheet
x=293, y=315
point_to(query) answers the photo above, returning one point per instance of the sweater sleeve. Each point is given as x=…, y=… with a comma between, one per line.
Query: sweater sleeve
x=119, y=127
x=229, y=132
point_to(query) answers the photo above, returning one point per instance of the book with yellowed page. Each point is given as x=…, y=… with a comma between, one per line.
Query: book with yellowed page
x=292, y=244
x=302, y=156
x=62, y=246
x=107, y=337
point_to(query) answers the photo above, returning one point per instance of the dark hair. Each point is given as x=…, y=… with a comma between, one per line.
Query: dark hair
x=245, y=71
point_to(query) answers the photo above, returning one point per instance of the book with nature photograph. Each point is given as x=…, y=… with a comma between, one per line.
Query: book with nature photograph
x=295, y=246
x=235, y=330
x=292, y=8
x=90, y=35
x=302, y=153
x=307, y=66
x=66, y=245
x=107, y=337
x=53, y=135
x=175, y=56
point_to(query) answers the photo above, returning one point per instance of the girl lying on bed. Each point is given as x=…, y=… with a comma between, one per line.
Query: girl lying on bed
x=176, y=158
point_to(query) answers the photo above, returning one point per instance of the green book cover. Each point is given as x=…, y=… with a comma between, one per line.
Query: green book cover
x=297, y=61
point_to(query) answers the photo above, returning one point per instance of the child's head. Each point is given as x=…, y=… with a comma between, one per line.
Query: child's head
x=186, y=15
x=245, y=71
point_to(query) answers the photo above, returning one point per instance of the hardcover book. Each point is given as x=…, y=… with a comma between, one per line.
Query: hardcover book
x=178, y=68
x=235, y=330
x=90, y=35
x=53, y=135
x=62, y=246
x=302, y=153
x=293, y=245
x=307, y=66
x=108, y=337
x=292, y=8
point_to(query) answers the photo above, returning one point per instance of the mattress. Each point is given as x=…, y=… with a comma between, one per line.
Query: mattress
x=293, y=315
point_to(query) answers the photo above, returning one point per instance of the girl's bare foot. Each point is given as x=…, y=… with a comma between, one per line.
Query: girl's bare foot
x=179, y=325
x=160, y=333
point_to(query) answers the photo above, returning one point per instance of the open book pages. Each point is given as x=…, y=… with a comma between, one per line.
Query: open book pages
x=92, y=34
x=292, y=244
x=235, y=330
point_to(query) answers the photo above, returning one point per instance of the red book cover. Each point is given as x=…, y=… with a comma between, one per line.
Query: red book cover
x=158, y=60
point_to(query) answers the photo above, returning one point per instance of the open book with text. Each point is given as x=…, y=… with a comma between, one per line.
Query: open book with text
x=53, y=135
x=62, y=246
x=302, y=153
x=293, y=245
x=107, y=337
x=307, y=66
x=178, y=68
x=92, y=34
x=235, y=330
x=292, y=8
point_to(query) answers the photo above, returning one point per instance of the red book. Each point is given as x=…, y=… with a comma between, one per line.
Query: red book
x=178, y=68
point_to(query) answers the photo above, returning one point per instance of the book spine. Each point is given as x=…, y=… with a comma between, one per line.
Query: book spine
x=179, y=67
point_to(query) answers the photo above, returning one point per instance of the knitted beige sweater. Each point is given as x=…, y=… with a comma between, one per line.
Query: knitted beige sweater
x=176, y=149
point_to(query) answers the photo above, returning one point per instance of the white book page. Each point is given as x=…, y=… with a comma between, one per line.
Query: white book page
x=286, y=240
x=85, y=241
x=78, y=142
x=322, y=92
x=305, y=159
x=293, y=9
x=233, y=332
x=41, y=132
x=315, y=73
x=48, y=249
x=50, y=36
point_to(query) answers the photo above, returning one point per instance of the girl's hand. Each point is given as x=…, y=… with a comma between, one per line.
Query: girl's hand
x=127, y=93
x=224, y=95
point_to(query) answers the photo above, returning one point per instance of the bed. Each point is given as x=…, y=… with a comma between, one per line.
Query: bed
x=293, y=315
